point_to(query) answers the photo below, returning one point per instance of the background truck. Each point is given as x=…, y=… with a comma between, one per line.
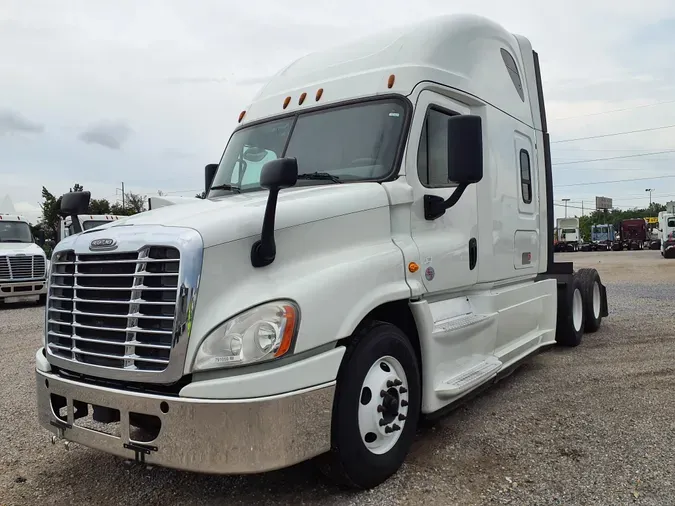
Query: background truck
x=70, y=225
x=23, y=264
x=632, y=235
x=667, y=232
x=375, y=246
x=569, y=234
x=602, y=237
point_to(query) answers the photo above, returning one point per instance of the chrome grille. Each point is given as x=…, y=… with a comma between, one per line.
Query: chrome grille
x=114, y=310
x=22, y=267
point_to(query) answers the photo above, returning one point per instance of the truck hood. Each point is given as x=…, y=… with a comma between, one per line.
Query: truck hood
x=237, y=216
x=25, y=248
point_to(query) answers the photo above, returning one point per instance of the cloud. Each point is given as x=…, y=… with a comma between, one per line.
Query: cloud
x=13, y=122
x=180, y=73
x=107, y=134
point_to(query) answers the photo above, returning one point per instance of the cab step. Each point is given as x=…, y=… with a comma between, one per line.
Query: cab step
x=461, y=322
x=470, y=378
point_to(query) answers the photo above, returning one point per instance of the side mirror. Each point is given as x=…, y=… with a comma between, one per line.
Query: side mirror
x=73, y=204
x=209, y=174
x=465, y=149
x=275, y=175
x=465, y=162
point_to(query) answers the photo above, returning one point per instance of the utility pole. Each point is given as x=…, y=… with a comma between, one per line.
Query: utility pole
x=123, y=194
x=565, y=201
x=650, y=190
x=582, y=208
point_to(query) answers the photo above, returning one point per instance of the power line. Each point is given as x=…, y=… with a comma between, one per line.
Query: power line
x=616, y=110
x=614, y=134
x=621, y=157
x=614, y=181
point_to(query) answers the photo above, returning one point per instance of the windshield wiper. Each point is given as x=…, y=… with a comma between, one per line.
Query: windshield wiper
x=318, y=176
x=227, y=187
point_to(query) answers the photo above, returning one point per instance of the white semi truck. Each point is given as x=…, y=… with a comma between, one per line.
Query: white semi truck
x=569, y=234
x=667, y=233
x=69, y=225
x=23, y=264
x=375, y=245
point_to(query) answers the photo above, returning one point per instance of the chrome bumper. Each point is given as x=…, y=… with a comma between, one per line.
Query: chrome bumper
x=210, y=436
x=8, y=289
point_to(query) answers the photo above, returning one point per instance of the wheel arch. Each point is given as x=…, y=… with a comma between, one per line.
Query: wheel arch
x=397, y=313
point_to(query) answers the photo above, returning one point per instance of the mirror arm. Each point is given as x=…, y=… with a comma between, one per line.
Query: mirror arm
x=435, y=206
x=264, y=251
x=77, y=226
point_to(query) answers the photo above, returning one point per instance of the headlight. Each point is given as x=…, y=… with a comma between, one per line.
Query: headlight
x=263, y=333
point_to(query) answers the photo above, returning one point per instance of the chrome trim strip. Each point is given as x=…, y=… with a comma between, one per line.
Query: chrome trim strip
x=134, y=239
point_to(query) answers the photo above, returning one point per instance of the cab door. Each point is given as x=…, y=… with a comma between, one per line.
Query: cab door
x=447, y=245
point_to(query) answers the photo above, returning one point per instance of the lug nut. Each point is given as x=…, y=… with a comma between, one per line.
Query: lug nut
x=403, y=390
x=380, y=409
x=401, y=417
x=396, y=427
x=382, y=422
x=397, y=382
x=383, y=393
x=404, y=403
x=388, y=430
x=390, y=384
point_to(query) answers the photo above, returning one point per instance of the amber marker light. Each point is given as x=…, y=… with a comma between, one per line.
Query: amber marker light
x=319, y=93
x=413, y=267
x=241, y=116
x=287, y=101
x=289, y=330
x=390, y=82
x=302, y=98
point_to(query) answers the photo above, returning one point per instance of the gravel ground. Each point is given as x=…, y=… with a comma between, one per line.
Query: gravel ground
x=592, y=425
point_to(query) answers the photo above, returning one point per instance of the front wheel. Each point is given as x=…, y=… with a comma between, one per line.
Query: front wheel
x=376, y=408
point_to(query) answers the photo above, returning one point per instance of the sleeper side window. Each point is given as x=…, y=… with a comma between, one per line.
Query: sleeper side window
x=432, y=154
x=525, y=176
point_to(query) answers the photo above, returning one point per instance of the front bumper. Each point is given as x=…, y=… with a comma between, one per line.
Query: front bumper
x=31, y=288
x=202, y=435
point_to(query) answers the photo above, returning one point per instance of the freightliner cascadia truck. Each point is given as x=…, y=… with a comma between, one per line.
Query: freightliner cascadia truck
x=375, y=245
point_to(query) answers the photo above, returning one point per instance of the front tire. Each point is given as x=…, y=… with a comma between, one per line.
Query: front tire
x=376, y=408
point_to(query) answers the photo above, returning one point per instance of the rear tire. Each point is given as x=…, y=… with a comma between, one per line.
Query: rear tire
x=571, y=321
x=369, y=437
x=592, y=295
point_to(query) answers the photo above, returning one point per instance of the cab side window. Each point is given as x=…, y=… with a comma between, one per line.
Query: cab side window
x=432, y=154
x=525, y=176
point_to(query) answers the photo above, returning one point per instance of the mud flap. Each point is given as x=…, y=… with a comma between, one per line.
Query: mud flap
x=604, y=307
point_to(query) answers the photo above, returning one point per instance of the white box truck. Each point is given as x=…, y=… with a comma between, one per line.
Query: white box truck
x=23, y=264
x=375, y=245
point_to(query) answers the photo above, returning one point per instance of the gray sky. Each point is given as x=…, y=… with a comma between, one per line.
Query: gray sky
x=147, y=92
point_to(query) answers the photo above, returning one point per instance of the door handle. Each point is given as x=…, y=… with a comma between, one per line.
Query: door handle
x=473, y=253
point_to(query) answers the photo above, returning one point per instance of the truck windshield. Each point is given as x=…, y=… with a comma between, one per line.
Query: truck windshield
x=671, y=222
x=348, y=143
x=569, y=231
x=15, y=231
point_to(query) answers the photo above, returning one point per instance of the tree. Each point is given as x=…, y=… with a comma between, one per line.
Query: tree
x=49, y=222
